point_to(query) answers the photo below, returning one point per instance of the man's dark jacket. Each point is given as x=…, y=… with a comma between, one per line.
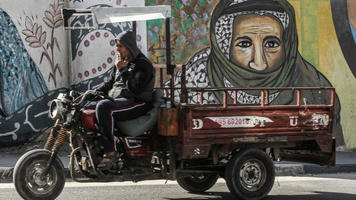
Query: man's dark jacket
x=136, y=80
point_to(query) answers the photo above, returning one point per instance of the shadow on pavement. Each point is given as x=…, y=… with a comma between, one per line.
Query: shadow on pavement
x=208, y=195
x=315, y=196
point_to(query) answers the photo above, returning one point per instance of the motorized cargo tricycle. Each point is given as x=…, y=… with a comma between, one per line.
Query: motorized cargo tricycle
x=194, y=144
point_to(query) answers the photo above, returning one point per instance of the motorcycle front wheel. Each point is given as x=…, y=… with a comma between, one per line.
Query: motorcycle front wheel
x=29, y=182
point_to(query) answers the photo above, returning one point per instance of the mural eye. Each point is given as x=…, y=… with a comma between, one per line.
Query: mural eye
x=244, y=44
x=272, y=44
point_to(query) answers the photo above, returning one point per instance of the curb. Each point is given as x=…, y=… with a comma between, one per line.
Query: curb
x=6, y=173
x=289, y=169
x=338, y=168
x=304, y=169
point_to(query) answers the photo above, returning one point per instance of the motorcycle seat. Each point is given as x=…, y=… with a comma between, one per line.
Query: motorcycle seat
x=146, y=122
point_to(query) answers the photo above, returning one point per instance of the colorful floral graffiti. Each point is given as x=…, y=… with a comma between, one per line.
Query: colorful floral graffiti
x=24, y=93
x=20, y=79
x=344, y=15
x=189, y=29
x=37, y=38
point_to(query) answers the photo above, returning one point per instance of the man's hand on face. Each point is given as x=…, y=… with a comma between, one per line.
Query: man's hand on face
x=121, y=62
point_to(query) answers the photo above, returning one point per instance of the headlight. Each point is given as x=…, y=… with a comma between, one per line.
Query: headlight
x=55, y=109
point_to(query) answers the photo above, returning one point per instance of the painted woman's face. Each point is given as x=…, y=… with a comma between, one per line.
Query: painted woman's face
x=257, y=43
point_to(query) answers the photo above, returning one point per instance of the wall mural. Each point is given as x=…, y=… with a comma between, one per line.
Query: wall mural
x=216, y=39
x=24, y=95
x=20, y=80
x=84, y=41
x=38, y=38
x=344, y=15
x=28, y=122
x=192, y=18
x=254, y=43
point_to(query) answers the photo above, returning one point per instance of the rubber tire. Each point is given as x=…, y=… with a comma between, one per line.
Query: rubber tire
x=232, y=170
x=19, y=176
x=190, y=185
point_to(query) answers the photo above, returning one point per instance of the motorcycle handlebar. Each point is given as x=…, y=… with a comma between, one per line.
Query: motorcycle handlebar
x=90, y=95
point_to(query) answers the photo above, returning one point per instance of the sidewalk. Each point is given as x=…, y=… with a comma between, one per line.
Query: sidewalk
x=345, y=162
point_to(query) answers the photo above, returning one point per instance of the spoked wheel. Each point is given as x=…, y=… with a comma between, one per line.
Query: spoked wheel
x=197, y=182
x=31, y=184
x=250, y=174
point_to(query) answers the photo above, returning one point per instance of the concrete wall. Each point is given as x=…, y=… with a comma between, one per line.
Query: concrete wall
x=40, y=59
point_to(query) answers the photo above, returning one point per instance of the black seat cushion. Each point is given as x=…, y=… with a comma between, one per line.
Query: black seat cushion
x=143, y=123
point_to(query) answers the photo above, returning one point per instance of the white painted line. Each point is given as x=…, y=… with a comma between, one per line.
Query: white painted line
x=72, y=184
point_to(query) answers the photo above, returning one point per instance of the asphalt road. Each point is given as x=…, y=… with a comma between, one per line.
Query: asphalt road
x=320, y=187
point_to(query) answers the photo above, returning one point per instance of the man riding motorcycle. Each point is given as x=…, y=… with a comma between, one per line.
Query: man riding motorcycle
x=130, y=87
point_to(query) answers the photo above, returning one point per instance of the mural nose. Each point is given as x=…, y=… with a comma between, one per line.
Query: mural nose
x=258, y=67
x=258, y=62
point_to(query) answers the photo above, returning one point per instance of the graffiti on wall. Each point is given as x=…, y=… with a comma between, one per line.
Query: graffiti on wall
x=189, y=29
x=24, y=95
x=86, y=61
x=37, y=38
x=84, y=41
x=344, y=16
x=20, y=79
x=254, y=43
x=28, y=122
x=203, y=33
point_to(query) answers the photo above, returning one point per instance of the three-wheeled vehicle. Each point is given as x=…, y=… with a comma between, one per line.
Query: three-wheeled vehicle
x=194, y=144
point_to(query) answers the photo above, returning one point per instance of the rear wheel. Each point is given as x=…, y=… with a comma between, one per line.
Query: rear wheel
x=31, y=184
x=250, y=174
x=197, y=182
